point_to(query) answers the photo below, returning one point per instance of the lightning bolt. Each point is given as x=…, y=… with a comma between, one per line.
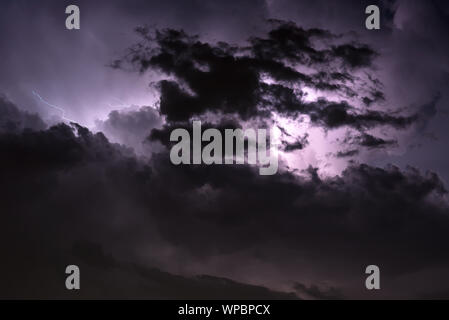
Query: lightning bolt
x=53, y=106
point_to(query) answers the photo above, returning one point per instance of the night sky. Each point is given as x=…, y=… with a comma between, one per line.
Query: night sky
x=360, y=122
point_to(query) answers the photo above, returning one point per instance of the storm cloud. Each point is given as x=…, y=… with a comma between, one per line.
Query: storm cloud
x=362, y=128
x=226, y=79
x=132, y=209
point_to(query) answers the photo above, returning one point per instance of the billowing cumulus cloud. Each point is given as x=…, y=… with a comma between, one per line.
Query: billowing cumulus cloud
x=131, y=127
x=132, y=211
x=15, y=120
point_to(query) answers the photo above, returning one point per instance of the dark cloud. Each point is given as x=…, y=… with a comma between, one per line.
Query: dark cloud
x=225, y=79
x=296, y=145
x=14, y=120
x=162, y=135
x=104, y=277
x=376, y=96
x=287, y=41
x=143, y=228
x=315, y=292
x=354, y=56
x=51, y=168
x=348, y=153
x=77, y=198
x=334, y=115
x=364, y=140
x=369, y=141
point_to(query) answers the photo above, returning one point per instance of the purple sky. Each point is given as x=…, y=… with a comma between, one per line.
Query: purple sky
x=69, y=70
x=338, y=187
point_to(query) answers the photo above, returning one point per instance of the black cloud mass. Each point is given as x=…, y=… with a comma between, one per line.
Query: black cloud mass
x=229, y=79
x=71, y=195
x=103, y=194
